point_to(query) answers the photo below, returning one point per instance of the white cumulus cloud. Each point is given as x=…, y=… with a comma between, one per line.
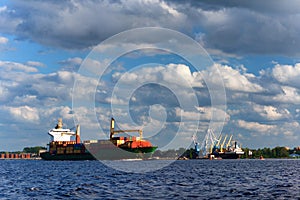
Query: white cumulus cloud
x=3, y=40
x=287, y=74
x=233, y=79
x=24, y=113
x=271, y=112
x=288, y=95
x=255, y=126
x=14, y=66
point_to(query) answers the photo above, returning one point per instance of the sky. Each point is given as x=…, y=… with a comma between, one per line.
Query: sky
x=51, y=66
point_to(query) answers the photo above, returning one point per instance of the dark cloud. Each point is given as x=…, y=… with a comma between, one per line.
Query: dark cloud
x=237, y=27
x=242, y=27
x=267, y=6
x=80, y=24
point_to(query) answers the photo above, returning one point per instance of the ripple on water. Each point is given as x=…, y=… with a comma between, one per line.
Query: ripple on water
x=192, y=179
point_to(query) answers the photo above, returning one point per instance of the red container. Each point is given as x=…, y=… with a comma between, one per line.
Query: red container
x=2, y=156
x=137, y=144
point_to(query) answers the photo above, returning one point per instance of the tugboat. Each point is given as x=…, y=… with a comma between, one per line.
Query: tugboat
x=62, y=147
x=261, y=157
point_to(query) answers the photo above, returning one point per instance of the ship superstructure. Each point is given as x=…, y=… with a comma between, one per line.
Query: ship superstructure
x=60, y=134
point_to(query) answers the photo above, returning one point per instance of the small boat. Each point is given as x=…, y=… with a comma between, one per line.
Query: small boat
x=261, y=157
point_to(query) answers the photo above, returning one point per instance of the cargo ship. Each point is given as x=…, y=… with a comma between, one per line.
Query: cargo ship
x=213, y=148
x=63, y=146
x=228, y=150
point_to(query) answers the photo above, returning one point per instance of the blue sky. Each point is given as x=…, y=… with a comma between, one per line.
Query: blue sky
x=254, y=46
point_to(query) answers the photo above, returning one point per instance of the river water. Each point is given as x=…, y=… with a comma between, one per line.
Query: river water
x=190, y=179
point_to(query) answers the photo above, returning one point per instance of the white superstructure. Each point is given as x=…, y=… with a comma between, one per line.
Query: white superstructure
x=61, y=134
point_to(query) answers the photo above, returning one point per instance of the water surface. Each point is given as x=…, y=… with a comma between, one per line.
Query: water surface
x=191, y=179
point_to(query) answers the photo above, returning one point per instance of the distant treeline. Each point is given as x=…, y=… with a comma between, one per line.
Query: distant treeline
x=277, y=152
x=171, y=153
x=33, y=150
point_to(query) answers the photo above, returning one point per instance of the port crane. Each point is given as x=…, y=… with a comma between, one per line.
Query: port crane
x=208, y=142
x=222, y=145
x=228, y=143
x=196, y=144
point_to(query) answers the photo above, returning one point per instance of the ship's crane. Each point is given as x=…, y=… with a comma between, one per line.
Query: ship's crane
x=113, y=131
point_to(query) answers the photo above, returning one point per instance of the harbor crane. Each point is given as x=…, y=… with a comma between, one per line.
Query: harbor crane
x=228, y=143
x=222, y=145
x=208, y=142
x=219, y=140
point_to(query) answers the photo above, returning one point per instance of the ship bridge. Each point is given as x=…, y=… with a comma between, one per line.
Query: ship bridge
x=61, y=134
